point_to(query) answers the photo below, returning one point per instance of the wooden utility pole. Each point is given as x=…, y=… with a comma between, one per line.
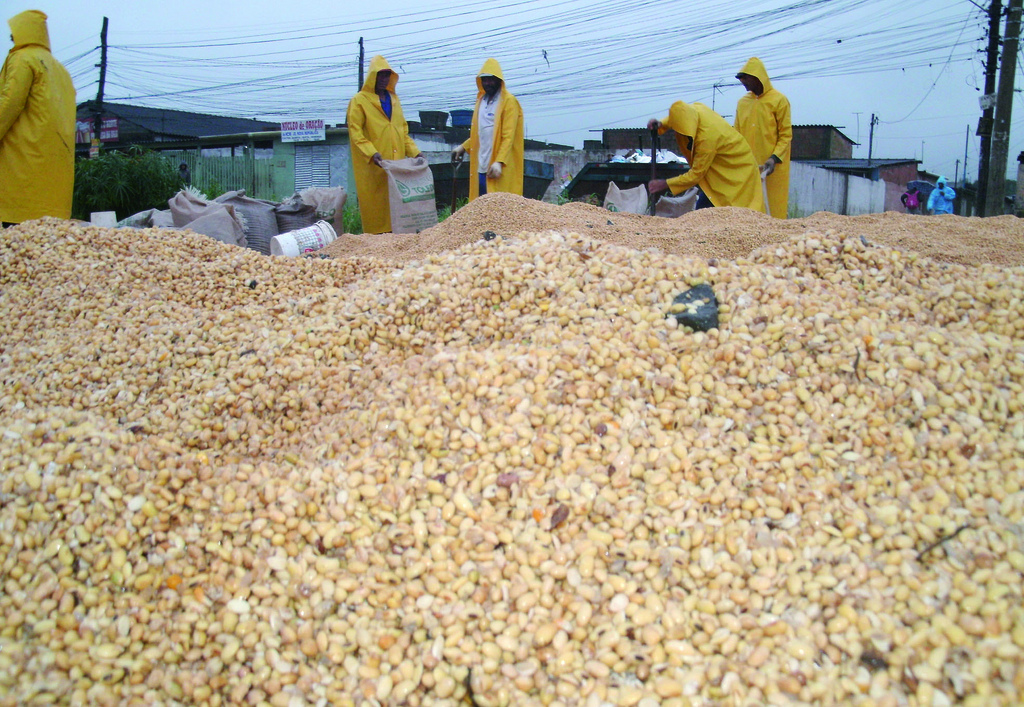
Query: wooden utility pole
x=98, y=114
x=1004, y=109
x=995, y=10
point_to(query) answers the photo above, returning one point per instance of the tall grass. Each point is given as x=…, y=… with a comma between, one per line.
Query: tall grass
x=125, y=182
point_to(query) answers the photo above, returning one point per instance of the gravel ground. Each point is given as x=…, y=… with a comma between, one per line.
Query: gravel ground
x=710, y=233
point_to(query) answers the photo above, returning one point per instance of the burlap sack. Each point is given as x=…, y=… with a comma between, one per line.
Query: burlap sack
x=219, y=221
x=410, y=194
x=630, y=201
x=329, y=203
x=163, y=219
x=150, y=218
x=143, y=219
x=292, y=214
x=210, y=218
x=187, y=207
x=258, y=218
x=676, y=206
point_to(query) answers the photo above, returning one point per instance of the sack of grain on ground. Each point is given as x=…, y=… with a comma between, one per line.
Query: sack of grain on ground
x=630, y=201
x=293, y=214
x=329, y=204
x=218, y=221
x=676, y=206
x=258, y=218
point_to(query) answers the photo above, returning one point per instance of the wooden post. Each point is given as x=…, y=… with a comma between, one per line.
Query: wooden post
x=98, y=112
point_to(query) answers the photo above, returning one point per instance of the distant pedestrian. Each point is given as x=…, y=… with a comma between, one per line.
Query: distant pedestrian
x=721, y=162
x=911, y=199
x=940, y=201
x=377, y=131
x=184, y=174
x=763, y=118
x=37, y=126
x=495, y=143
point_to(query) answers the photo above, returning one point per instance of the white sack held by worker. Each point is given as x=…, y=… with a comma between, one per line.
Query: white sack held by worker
x=410, y=194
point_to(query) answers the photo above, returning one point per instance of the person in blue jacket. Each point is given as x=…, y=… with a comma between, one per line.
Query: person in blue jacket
x=940, y=201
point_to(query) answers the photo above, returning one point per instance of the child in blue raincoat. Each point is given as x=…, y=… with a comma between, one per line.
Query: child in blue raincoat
x=940, y=201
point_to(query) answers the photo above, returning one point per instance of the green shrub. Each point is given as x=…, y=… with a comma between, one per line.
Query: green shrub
x=446, y=211
x=592, y=199
x=213, y=189
x=123, y=182
x=352, y=220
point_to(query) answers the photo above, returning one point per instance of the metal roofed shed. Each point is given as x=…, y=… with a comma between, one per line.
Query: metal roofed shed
x=151, y=126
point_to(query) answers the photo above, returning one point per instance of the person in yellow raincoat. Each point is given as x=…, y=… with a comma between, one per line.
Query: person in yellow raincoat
x=37, y=126
x=721, y=162
x=377, y=131
x=495, y=143
x=763, y=118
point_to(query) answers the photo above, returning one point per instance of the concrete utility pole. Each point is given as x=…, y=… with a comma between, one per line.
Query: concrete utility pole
x=1004, y=109
x=1018, y=202
x=984, y=131
x=871, y=137
x=98, y=114
x=361, y=59
x=967, y=141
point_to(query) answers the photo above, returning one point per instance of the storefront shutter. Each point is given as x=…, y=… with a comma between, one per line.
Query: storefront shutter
x=312, y=166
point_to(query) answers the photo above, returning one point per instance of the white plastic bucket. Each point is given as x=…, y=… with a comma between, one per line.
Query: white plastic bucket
x=304, y=240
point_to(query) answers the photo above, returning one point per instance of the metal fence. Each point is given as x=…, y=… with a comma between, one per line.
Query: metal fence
x=215, y=175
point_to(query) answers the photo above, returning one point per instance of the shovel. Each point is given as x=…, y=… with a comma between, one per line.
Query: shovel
x=764, y=191
x=654, y=166
x=455, y=168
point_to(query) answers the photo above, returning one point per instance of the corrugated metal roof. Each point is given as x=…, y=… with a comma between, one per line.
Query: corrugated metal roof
x=178, y=124
x=859, y=163
x=827, y=127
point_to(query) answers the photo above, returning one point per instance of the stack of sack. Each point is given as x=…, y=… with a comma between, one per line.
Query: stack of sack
x=240, y=220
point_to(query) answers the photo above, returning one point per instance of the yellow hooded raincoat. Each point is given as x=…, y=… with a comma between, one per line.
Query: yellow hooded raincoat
x=766, y=124
x=37, y=126
x=369, y=132
x=721, y=162
x=508, y=139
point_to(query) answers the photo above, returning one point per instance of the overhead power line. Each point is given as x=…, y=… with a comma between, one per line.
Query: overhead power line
x=561, y=59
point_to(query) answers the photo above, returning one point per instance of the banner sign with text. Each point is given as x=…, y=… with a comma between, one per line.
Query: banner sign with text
x=84, y=129
x=303, y=131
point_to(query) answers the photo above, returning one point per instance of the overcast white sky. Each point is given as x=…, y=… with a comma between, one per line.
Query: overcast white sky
x=576, y=65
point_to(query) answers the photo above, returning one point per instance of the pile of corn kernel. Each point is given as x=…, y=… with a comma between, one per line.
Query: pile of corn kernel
x=502, y=476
